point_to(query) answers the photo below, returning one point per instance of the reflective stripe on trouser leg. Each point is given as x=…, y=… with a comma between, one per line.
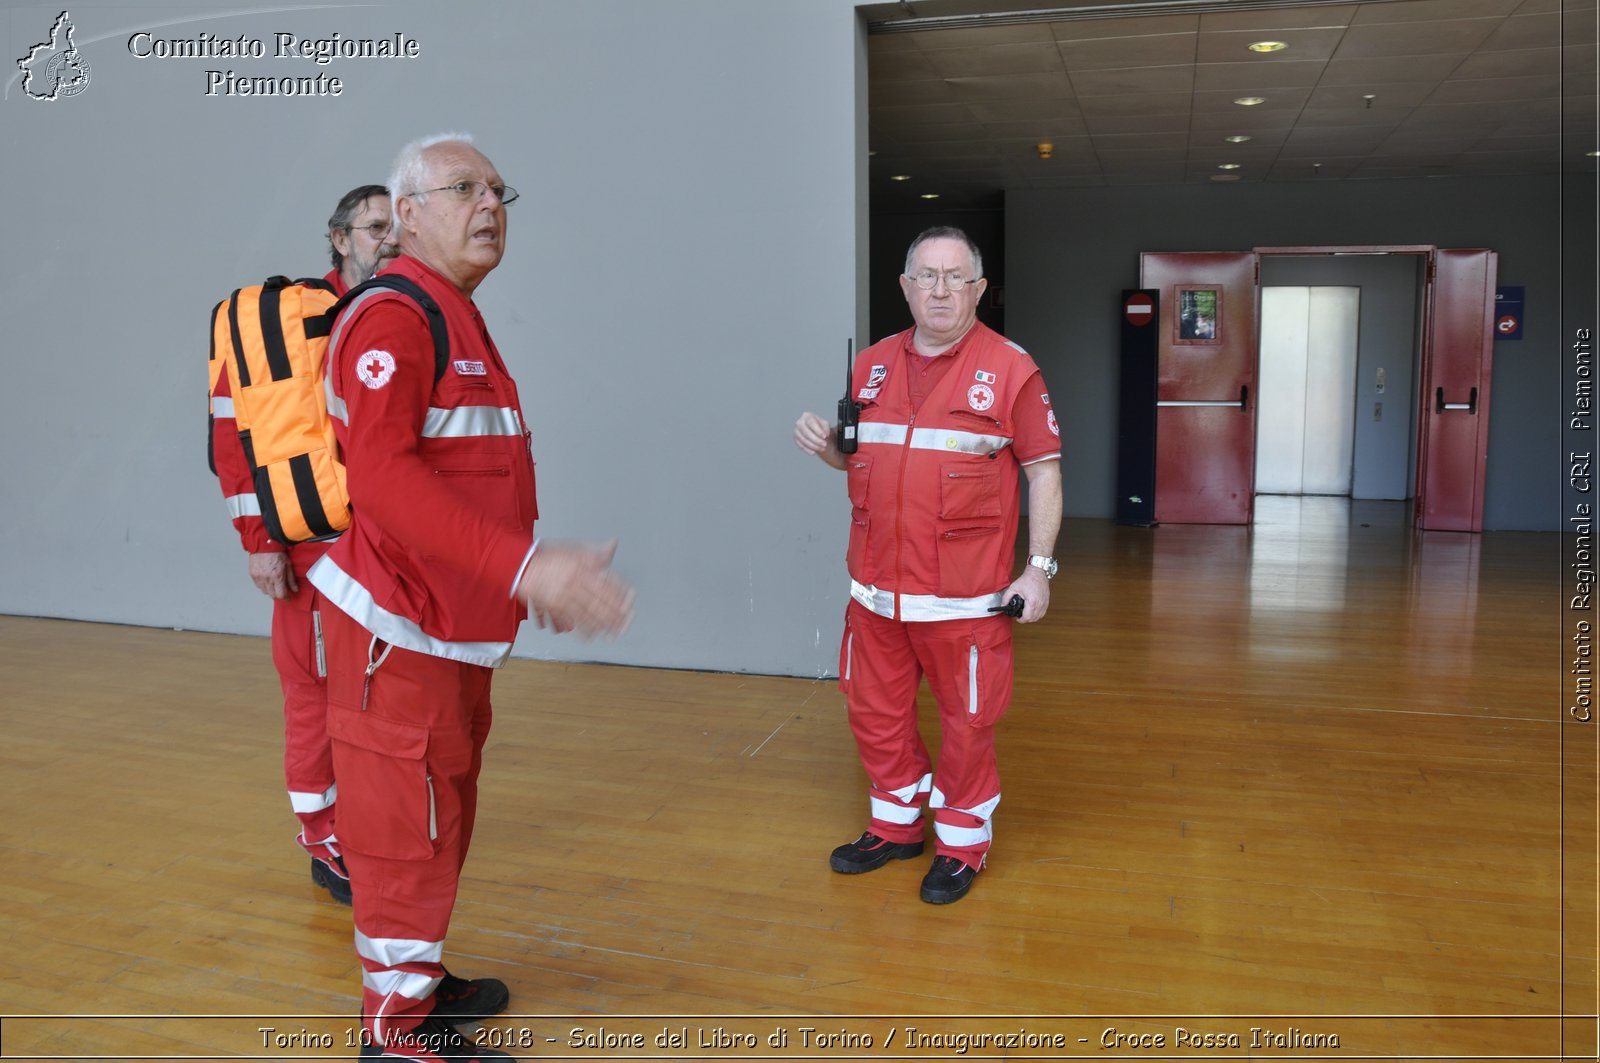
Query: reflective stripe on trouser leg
x=899, y=809
x=307, y=753
x=881, y=694
x=407, y=768
x=964, y=833
x=969, y=667
x=397, y=970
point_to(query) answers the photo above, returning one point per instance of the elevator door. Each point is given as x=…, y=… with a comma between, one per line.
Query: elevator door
x=1305, y=434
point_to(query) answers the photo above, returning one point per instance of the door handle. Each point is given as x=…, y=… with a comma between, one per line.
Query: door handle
x=1471, y=405
x=1242, y=402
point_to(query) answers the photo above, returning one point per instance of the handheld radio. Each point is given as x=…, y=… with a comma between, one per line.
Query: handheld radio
x=849, y=409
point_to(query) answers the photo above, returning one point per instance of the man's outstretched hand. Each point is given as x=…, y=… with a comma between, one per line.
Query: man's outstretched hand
x=570, y=587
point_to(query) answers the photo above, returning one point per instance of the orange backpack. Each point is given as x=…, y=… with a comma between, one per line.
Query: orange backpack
x=272, y=340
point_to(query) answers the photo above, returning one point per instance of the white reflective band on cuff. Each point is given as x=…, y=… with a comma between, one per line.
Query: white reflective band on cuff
x=392, y=952
x=302, y=803
x=912, y=790
x=947, y=440
x=923, y=607
x=983, y=811
x=357, y=602
x=243, y=506
x=959, y=837
x=466, y=422
x=221, y=406
x=890, y=812
x=400, y=983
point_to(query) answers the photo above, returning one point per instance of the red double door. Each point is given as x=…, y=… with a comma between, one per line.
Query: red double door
x=1206, y=401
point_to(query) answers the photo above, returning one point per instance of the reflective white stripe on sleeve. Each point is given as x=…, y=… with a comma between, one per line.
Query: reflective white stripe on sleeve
x=340, y=588
x=948, y=440
x=309, y=802
x=465, y=422
x=243, y=506
x=221, y=406
x=336, y=407
x=921, y=607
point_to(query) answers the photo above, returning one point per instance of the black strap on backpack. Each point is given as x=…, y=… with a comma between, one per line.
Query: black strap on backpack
x=407, y=287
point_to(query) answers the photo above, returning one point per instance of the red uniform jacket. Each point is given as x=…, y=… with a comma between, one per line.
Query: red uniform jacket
x=934, y=492
x=440, y=476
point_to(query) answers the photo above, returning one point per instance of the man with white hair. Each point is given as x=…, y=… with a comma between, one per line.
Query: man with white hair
x=431, y=581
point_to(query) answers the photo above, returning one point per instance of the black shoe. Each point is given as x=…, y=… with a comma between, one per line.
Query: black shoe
x=870, y=852
x=331, y=876
x=431, y=1041
x=947, y=881
x=464, y=1000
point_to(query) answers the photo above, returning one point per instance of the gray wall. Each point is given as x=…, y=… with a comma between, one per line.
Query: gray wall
x=1069, y=254
x=663, y=320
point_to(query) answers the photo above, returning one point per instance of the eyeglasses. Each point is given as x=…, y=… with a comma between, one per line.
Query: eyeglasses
x=471, y=191
x=953, y=280
x=378, y=230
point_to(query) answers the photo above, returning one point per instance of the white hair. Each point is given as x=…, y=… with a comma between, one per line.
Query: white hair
x=410, y=171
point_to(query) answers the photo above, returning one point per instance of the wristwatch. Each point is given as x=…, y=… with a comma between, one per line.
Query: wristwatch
x=1047, y=565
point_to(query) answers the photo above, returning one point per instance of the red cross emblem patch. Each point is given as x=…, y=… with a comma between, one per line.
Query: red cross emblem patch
x=375, y=368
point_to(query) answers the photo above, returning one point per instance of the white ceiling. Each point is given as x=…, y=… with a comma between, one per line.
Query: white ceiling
x=962, y=92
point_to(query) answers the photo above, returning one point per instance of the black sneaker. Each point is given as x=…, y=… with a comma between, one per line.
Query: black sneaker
x=469, y=1000
x=947, y=881
x=870, y=852
x=431, y=1041
x=330, y=875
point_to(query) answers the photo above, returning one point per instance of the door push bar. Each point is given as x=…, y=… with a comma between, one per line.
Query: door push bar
x=1439, y=405
x=1241, y=403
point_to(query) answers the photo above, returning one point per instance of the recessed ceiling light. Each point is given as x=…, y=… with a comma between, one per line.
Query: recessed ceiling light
x=930, y=195
x=1268, y=46
x=1224, y=177
x=1238, y=138
x=1250, y=101
x=1228, y=166
x=899, y=177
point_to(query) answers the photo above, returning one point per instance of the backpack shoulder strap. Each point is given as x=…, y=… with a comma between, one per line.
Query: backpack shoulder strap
x=414, y=291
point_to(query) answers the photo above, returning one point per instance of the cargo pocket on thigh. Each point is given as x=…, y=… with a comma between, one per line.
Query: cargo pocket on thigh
x=386, y=804
x=986, y=670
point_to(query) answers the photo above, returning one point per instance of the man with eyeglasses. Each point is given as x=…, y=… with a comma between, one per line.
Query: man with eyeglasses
x=358, y=234
x=949, y=412
x=430, y=583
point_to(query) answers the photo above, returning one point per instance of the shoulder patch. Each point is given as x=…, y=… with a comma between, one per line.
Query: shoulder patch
x=375, y=368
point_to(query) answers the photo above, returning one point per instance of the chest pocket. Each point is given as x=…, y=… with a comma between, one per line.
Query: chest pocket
x=969, y=489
